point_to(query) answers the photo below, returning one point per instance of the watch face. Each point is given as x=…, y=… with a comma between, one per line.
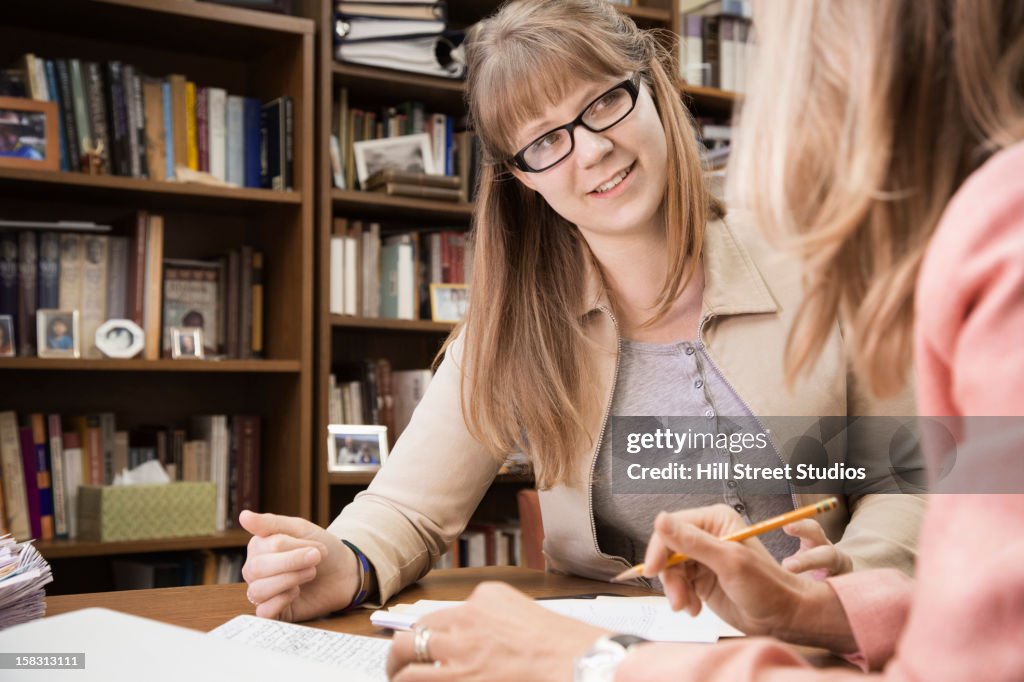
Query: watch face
x=598, y=665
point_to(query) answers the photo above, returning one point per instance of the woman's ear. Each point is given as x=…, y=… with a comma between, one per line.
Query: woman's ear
x=525, y=178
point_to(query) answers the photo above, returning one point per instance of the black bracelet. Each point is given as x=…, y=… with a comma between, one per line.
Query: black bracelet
x=364, y=577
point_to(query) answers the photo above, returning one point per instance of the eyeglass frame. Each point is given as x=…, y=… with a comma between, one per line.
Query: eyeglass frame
x=631, y=85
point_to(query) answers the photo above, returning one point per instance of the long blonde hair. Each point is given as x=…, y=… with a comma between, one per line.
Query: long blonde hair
x=525, y=381
x=863, y=120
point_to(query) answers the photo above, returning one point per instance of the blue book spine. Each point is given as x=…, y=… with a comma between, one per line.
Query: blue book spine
x=168, y=130
x=53, y=85
x=252, y=142
x=449, y=146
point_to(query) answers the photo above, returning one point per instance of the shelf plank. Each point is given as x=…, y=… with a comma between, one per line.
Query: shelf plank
x=384, y=86
x=139, y=365
x=709, y=98
x=232, y=15
x=391, y=325
x=65, y=549
x=409, y=207
x=152, y=192
x=649, y=15
x=364, y=478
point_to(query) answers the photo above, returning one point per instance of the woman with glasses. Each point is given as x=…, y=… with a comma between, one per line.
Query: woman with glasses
x=608, y=283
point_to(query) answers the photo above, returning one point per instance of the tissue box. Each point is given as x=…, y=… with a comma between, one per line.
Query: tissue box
x=146, y=512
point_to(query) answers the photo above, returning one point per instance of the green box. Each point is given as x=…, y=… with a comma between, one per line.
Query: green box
x=146, y=512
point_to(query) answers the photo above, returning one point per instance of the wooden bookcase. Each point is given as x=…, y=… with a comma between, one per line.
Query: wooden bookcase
x=251, y=53
x=407, y=344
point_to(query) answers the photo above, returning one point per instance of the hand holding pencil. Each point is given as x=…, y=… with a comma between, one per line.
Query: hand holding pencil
x=742, y=583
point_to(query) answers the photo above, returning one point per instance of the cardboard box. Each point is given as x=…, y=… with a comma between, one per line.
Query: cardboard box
x=146, y=512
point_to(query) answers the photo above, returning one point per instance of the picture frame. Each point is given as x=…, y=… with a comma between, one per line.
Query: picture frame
x=29, y=134
x=187, y=343
x=356, y=447
x=120, y=339
x=57, y=333
x=410, y=153
x=8, y=344
x=448, y=302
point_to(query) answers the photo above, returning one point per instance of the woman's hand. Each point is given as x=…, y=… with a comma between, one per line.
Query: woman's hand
x=817, y=557
x=296, y=570
x=741, y=582
x=498, y=634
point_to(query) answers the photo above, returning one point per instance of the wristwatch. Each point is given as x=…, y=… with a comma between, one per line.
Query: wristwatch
x=603, y=658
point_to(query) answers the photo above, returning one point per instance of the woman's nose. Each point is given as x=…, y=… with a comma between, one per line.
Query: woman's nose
x=591, y=147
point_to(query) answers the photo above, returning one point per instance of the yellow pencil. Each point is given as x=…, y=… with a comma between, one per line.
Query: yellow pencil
x=748, y=532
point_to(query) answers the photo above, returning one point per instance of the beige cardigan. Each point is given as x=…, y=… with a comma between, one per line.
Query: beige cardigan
x=435, y=477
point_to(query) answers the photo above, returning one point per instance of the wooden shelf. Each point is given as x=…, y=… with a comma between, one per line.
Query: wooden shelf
x=709, y=98
x=647, y=15
x=152, y=193
x=65, y=549
x=368, y=84
x=138, y=365
x=364, y=478
x=391, y=325
x=391, y=206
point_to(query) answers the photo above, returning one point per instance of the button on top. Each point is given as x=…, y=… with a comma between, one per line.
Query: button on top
x=690, y=350
x=699, y=383
x=731, y=484
x=739, y=506
x=709, y=413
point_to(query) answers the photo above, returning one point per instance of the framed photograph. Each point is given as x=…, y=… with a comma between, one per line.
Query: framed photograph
x=448, y=302
x=121, y=339
x=187, y=343
x=29, y=134
x=57, y=333
x=356, y=447
x=7, y=344
x=410, y=153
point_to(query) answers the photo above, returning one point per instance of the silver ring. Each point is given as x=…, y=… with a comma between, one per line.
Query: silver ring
x=421, y=645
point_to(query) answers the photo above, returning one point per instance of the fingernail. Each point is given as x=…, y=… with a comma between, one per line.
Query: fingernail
x=312, y=554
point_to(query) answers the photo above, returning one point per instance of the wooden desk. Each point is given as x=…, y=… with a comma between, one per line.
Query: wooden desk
x=205, y=607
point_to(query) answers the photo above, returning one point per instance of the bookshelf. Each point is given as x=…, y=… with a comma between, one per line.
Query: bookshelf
x=251, y=53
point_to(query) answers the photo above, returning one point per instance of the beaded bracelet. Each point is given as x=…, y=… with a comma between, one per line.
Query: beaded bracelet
x=364, y=576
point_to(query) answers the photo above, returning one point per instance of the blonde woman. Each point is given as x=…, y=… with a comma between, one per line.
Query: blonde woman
x=889, y=137
x=608, y=283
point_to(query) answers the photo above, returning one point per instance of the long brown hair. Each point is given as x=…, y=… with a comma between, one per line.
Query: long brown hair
x=863, y=120
x=525, y=373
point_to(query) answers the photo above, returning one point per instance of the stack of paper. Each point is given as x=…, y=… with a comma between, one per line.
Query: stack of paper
x=23, y=574
x=648, y=617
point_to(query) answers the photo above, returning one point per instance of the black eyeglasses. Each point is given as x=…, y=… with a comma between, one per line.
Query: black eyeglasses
x=554, y=146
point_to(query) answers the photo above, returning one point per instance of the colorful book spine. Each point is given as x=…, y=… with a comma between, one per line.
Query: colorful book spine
x=169, y=144
x=43, y=479
x=30, y=469
x=58, y=484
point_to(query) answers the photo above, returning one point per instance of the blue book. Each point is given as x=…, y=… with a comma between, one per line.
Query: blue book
x=168, y=130
x=53, y=85
x=449, y=146
x=251, y=138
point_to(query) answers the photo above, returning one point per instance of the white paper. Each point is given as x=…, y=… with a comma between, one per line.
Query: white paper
x=146, y=473
x=648, y=617
x=365, y=654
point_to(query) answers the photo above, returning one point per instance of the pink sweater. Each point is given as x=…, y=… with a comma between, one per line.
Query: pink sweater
x=964, y=617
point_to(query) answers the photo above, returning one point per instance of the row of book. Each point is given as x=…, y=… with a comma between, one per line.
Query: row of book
x=406, y=36
x=111, y=276
x=454, y=151
x=205, y=567
x=375, y=275
x=116, y=120
x=486, y=544
x=46, y=458
x=717, y=44
x=371, y=392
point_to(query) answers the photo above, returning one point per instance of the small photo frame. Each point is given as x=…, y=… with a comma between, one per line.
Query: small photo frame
x=187, y=343
x=448, y=302
x=411, y=153
x=29, y=134
x=7, y=342
x=356, y=447
x=120, y=339
x=57, y=333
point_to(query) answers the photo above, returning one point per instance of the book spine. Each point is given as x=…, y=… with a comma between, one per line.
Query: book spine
x=235, y=142
x=53, y=83
x=94, y=436
x=67, y=108
x=119, y=160
x=257, y=304
x=153, y=114
x=203, y=128
x=43, y=478
x=70, y=286
x=27, y=290
x=58, y=484
x=49, y=270
x=131, y=144
x=288, y=151
x=252, y=139
x=191, y=137
x=94, y=292
x=170, y=143
x=30, y=469
x=108, y=430
x=9, y=275
x=139, y=133
x=117, y=279
x=135, y=304
x=81, y=110
x=15, y=492
x=98, y=113
x=217, y=133
x=179, y=114
x=233, y=298
x=153, y=286
x=245, y=305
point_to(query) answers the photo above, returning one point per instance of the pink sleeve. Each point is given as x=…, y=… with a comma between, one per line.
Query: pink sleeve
x=970, y=297
x=876, y=604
